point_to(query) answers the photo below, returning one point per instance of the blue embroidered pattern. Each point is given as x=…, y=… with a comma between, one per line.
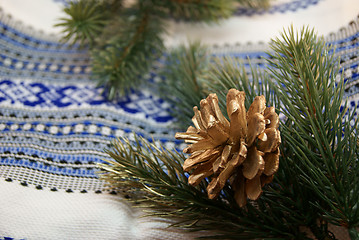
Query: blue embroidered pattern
x=61, y=127
x=34, y=94
x=54, y=122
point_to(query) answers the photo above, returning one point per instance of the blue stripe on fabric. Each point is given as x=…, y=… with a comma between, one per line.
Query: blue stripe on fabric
x=71, y=158
x=36, y=66
x=78, y=172
x=59, y=47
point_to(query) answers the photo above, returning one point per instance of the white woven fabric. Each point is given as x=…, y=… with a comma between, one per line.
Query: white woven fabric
x=27, y=213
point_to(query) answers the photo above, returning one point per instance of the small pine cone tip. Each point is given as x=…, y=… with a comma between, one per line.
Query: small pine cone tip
x=242, y=151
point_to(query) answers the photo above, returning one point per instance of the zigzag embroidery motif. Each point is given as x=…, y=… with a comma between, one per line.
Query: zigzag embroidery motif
x=32, y=94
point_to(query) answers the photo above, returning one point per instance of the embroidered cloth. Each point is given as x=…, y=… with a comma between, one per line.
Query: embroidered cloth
x=55, y=124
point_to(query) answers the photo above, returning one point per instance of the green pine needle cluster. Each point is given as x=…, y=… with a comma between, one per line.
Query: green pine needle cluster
x=125, y=39
x=228, y=72
x=121, y=62
x=86, y=20
x=317, y=183
x=318, y=132
x=156, y=178
x=191, y=73
x=149, y=171
x=254, y=3
x=206, y=11
x=183, y=78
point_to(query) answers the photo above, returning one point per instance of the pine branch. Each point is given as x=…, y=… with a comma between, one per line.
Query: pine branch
x=125, y=40
x=317, y=182
x=317, y=131
x=124, y=59
x=144, y=165
x=183, y=73
x=156, y=176
x=252, y=222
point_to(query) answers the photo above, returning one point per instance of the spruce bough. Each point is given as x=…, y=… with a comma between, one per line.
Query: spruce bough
x=125, y=40
x=317, y=183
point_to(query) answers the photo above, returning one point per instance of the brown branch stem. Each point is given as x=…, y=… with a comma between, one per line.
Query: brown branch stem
x=140, y=29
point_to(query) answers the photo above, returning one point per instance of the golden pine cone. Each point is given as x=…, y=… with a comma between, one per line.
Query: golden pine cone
x=243, y=151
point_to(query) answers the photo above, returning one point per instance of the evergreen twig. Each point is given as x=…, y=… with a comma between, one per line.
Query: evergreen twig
x=317, y=181
x=126, y=39
x=317, y=132
x=156, y=176
x=121, y=62
x=183, y=79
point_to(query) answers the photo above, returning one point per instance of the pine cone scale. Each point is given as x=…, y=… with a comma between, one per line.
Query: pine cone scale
x=256, y=126
x=258, y=106
x=201, y=157
x=271, y=163
x=272, y=116
x=197, y=119
x=188, y=136
x=202, y=171
x=253, y=163
x=214, y=104
x=218, y=135
x=253, y=187
x=237, y=114
x=218, y=183
x=270, y=146
x=221, y=162
x=200, y=145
